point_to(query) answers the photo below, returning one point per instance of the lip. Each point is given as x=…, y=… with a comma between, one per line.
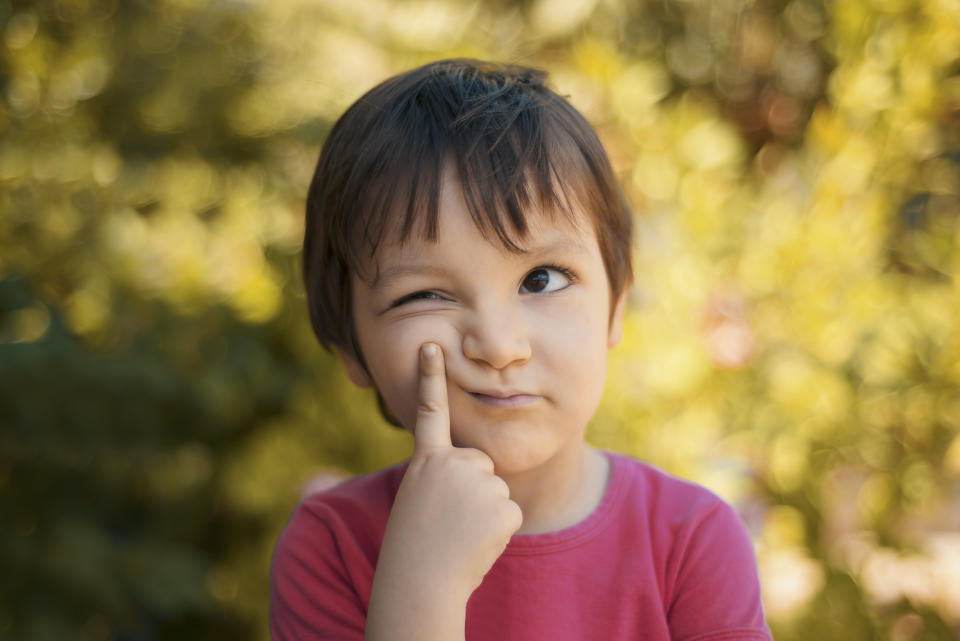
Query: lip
x=505, y=399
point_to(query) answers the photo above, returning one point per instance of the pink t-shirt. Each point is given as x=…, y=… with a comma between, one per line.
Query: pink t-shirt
x=659, y=559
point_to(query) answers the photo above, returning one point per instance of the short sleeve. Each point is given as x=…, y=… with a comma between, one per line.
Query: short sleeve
x=311, y=590
x=716, y=594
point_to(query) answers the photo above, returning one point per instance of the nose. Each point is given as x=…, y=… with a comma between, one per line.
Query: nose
x=497, y=338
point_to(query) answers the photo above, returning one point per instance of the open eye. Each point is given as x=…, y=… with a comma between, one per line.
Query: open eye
x=544, y=280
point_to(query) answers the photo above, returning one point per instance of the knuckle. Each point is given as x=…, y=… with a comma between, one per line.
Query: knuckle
x=482, y=459
x=472, y=454
x=430, y=406
x=426, y=457
x=514, y=515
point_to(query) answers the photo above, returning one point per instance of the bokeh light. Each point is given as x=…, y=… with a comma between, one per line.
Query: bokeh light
x=792, y=340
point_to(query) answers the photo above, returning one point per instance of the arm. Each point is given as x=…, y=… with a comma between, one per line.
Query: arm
x=451, y=520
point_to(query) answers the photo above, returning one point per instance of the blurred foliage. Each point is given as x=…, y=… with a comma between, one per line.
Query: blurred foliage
x=793, y=338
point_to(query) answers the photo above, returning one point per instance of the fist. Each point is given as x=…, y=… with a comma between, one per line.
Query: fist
x=452, y=517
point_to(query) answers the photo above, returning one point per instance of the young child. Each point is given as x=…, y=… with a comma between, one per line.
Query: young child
x=467, y=255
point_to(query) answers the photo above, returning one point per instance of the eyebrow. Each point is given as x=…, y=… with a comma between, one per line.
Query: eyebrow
x=382, y=278
x=561, y=246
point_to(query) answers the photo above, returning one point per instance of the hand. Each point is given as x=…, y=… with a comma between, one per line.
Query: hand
x=452, y=517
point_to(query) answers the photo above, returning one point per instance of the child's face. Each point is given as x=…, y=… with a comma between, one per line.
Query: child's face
x=525, y=344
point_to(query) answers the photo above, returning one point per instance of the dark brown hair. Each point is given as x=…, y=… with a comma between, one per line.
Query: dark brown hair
x=514, y=144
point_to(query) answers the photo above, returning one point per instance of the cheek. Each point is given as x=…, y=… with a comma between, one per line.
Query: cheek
x=576, y=331
x=393, y=358
x=573, y=349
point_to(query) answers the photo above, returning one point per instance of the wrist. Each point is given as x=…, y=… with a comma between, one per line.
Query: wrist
x=415, y=608
x=416, y=586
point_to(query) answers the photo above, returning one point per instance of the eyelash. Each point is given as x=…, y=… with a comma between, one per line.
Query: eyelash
x=427, y=294
x=569, y=275
x=421, y=295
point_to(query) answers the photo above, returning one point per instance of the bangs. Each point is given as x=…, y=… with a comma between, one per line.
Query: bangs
x=510, y=155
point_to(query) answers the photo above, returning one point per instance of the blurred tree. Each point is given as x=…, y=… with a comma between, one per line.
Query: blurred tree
x=145, y=242
x=792, y=343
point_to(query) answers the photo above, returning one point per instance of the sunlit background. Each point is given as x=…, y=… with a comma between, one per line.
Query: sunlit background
x=793, y=338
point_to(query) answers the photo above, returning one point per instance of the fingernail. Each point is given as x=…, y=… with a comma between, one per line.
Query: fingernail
x=429, y=350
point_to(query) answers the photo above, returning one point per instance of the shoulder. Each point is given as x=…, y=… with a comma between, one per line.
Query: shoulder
x=358, y=506
x=704, y=556
x=669, y=501
x=323, y=562
x=679, y=515
x=358, y=497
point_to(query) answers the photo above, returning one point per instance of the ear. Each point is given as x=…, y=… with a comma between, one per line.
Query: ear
x=355, y=369
x=615, y=333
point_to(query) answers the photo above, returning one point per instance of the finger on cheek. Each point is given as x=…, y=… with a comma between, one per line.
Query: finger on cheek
x=433, y=420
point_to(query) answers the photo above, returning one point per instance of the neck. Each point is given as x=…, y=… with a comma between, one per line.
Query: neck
x=561, y=492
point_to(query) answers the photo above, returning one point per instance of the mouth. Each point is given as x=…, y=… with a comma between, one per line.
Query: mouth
x=505, y=399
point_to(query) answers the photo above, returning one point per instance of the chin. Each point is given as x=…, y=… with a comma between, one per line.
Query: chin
x=515, y=453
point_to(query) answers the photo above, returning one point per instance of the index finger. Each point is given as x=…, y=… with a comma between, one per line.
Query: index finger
x=433, y=415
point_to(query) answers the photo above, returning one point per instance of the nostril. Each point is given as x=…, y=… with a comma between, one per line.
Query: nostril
x=497, y=349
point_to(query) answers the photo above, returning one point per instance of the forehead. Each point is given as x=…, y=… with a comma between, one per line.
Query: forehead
x=544, y=229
